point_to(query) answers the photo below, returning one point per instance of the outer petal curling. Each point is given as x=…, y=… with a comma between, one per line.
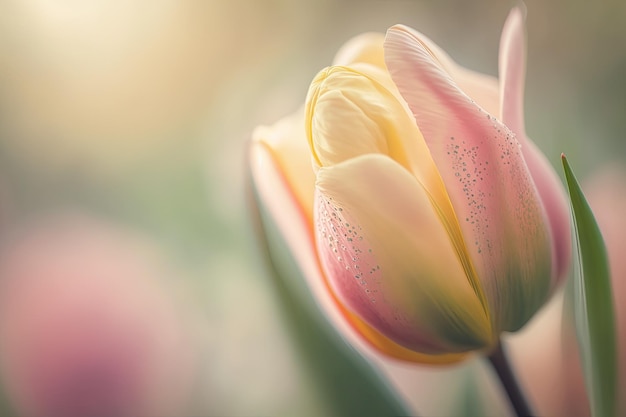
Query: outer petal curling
x=491, y=190
x=371, y=239
x=287, y=143
x=512, y=73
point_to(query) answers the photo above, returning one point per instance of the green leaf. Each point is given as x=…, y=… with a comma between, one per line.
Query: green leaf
x=593, y=305
x=349, y=384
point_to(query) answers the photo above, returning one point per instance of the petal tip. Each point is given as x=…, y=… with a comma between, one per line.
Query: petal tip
x=397, y=27
x=516, y=17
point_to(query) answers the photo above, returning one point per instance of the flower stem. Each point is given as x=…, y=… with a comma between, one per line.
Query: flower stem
x=501, y=365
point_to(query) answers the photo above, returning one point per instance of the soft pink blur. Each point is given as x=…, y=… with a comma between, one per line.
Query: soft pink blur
x=86, y=328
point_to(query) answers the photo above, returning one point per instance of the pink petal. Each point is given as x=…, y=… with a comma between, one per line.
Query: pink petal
x=482, y=88
x=512, y=66
x=493, y=195
x=549, y=187
x=389, y=258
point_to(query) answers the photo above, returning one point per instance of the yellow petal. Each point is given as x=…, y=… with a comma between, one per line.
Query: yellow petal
x=286, y=141
x=285, y=208
x=389, y=258
x=357, y=111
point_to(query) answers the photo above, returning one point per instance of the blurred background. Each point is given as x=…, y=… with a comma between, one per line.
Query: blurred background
x=135, y=115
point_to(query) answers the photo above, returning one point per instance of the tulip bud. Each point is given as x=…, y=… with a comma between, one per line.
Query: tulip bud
x=427, y=217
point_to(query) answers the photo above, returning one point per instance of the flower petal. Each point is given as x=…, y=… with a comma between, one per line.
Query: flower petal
x=391, y=261
x=346, y=116
x=491, y=190
x=482, y=88
x=512, y=68
x=286, y=141
x=357, y=111
x=291, y=215
x=365, y=48
x=549, y=187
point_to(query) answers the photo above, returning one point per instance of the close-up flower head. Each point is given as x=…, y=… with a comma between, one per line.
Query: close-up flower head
x=293, y=208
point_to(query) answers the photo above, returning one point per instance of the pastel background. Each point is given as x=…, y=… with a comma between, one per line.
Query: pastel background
x=135, y=115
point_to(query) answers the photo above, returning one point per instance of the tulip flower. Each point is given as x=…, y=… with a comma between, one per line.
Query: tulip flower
x=417, y=207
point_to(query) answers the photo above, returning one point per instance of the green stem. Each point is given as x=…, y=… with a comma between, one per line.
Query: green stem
x=502, y=367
